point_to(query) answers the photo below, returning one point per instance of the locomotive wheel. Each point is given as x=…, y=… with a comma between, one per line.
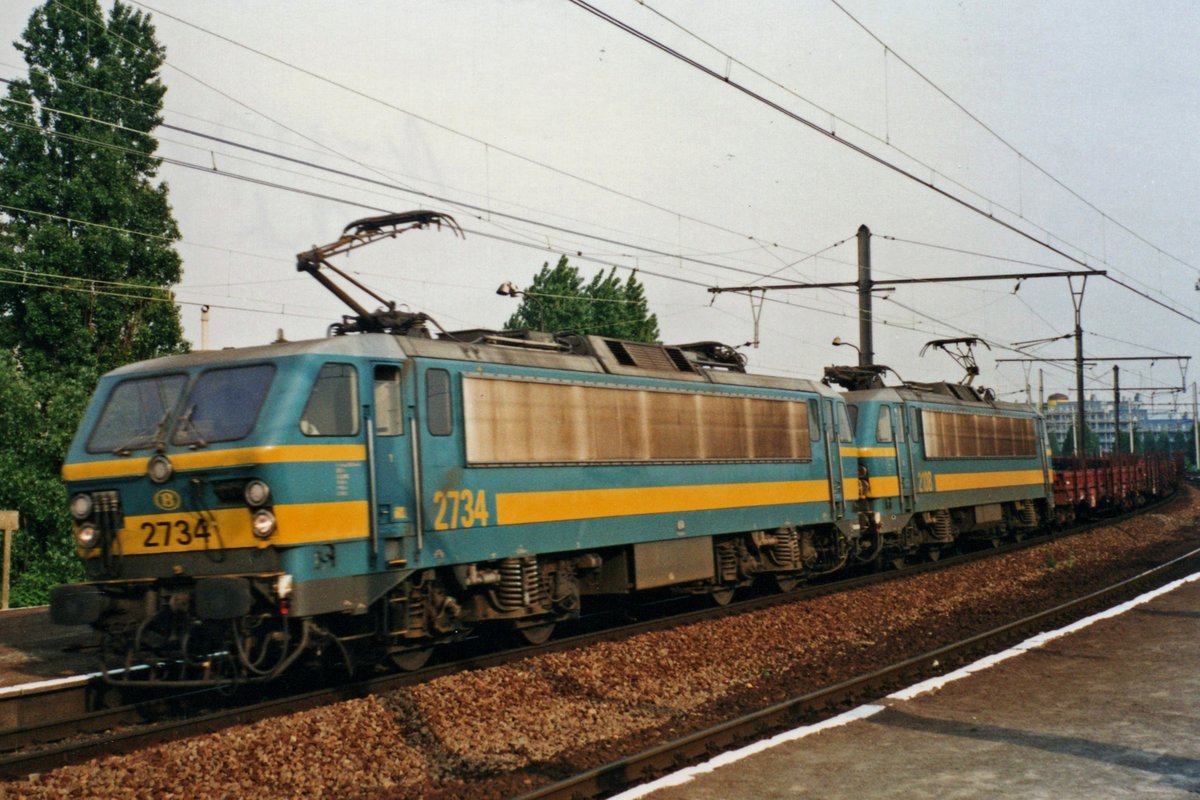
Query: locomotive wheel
x=538, y=633
x=784, y=582
x=411, y=660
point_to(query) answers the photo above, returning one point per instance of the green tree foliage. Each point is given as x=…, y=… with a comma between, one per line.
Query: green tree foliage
x=77, y=159
x=86, y=246
x=558, y=300
x=1091, y=443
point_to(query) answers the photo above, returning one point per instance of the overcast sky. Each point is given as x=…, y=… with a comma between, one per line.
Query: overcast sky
x=518, y=116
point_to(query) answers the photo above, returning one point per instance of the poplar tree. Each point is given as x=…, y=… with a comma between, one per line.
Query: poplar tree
x=86, y=248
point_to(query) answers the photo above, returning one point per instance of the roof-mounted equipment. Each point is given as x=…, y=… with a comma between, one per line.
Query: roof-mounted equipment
x=962, y=350
x=856, y=378
x=359, y=234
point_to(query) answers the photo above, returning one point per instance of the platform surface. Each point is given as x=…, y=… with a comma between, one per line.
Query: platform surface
x=1108, y=711
x=33, y=649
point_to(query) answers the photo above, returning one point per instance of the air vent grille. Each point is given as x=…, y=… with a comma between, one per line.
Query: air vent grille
x=649, y=356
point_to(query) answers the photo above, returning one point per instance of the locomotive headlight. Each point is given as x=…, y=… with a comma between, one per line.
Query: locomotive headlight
x=87, y=536
x=263, y=523
x=160, y=469
x=81, y=507
x=257, y=493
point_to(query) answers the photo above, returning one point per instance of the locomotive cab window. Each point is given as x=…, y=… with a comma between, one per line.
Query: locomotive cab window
x=389, y=415
x=846, y=430
x=223, y=405
x=883, y=428
x=439, y=415
x=814, y=420
x=135, y=413
x=332, y=408
x=852, y=411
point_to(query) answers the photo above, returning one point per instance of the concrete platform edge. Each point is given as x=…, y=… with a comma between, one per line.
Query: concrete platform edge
x=867, y=710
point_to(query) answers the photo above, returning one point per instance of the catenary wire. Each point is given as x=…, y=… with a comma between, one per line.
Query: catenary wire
x=860, y=150
x=1008, y=144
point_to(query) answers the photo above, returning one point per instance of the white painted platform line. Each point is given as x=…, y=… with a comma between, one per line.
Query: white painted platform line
x=864, y=711
x=1034, y=642
x=46, y=685
x=685, y=775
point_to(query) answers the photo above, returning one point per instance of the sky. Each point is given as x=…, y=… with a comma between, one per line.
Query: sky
x=546, y=130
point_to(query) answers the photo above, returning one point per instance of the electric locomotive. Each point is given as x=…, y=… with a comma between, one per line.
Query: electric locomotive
x=374, y=495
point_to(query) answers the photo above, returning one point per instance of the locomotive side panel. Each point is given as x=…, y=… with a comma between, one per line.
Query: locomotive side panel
x=531, y=461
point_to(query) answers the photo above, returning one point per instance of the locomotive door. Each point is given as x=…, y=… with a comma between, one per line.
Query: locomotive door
x=391, y=455
x=833, y=453
x=445, y=500
x=903, y=463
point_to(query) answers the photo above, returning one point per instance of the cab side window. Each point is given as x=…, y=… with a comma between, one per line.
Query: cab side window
x=439, y=414
x=846, y=430
x=814, y=420
x=332, y=408
x=883, y=428
x=389, y=415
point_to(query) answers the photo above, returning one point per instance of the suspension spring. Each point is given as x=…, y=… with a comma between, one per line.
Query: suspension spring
x=943, y=530
x=520, y=584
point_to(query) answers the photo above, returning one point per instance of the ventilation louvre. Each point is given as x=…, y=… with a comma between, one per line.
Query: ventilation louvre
x=649, y=356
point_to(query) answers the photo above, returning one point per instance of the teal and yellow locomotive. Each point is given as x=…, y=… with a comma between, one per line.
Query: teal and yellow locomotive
x=374, y=495
x=389, y=488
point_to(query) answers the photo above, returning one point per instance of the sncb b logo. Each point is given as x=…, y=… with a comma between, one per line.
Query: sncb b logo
x=167, y=499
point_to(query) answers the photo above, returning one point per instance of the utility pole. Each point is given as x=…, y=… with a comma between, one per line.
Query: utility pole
x=1080, y=415
x=1195, y=425
x=866, y=344
x=1116, y=409
x=865, y=285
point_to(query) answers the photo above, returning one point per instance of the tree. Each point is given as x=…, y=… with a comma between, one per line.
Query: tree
x=77, y=160
x=86, y=239
x=1091, y=442
x=1066, y=445
x=558, y=300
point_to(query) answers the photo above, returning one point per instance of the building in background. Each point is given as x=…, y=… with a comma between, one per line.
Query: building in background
x=1158, y=424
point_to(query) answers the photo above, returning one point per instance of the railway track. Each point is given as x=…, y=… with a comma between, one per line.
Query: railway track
x=823, y=703
x=81, y=727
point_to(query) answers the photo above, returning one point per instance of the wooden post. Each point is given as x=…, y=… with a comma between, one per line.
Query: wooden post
x=9, y=522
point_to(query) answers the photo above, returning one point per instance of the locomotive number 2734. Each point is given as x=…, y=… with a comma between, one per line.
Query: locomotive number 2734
x=174, y=532
x=461, y=508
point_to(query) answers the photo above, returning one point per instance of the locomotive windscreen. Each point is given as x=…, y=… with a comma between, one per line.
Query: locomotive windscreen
x=530, y=422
